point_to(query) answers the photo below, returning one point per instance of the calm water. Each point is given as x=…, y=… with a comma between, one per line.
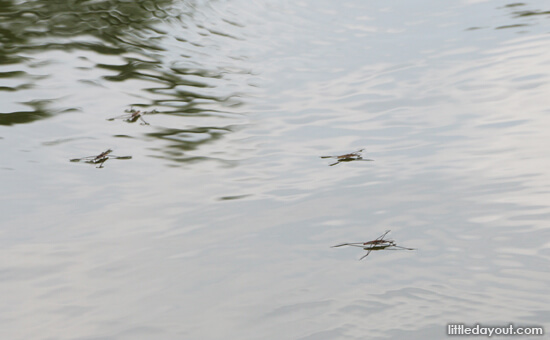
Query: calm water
x=220, y=225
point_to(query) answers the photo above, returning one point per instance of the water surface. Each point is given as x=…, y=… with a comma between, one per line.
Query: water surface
x=221, y=223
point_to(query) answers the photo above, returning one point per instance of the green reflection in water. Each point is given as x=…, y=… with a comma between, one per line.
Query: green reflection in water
x=104, y=27
x=180, y=141
x=39, y=26
x=22, y=25
x=515, y=12
x=181, y=85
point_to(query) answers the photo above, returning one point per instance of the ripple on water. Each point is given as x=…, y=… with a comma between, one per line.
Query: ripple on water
x=226, y=213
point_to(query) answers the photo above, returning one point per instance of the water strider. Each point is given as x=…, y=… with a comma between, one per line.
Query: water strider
x=378, y=244
x=133, y=115
x=349, y=157
x=100, y=159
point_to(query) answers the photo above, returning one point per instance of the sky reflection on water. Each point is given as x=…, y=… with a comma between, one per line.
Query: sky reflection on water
x=221, y=223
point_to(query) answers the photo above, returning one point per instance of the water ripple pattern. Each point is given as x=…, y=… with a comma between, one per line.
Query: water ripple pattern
x=221, y=224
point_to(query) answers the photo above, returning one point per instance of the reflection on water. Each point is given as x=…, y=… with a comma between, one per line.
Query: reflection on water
x=524, y=14
x=152, y=53
x=220, y=226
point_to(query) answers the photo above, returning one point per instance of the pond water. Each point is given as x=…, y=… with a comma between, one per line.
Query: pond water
x=221, y=224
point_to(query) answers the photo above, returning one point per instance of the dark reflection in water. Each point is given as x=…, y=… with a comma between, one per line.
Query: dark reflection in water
x=39, y=110
x=39, y=26
x=519, y=11
x=180, y=141
x=181, y=84
x=110, y=21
